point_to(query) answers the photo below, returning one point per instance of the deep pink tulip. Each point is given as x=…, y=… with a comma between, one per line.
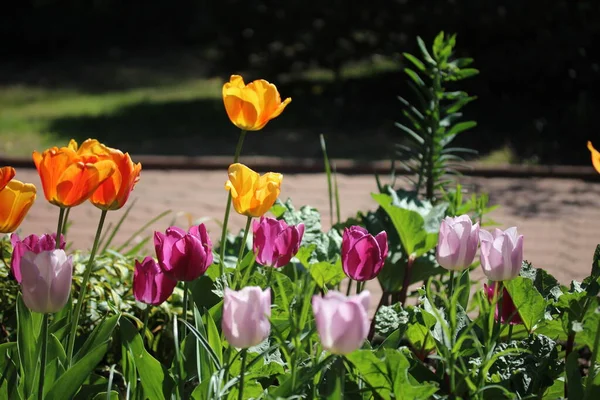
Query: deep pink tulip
x=46, y=280
x=183, y=256
x=275, y=243
x=150, y=284
x=457, y=243
x=363, y=254
x=501, y=254
x=245, y=320
x=34, y=243
x=508, y=307
x=342, y=322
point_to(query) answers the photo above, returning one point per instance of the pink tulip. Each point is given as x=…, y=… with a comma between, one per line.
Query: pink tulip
x=150, y=284
x=34, y=243
x=245, y=320
x=501, y=254
x=275, y=243
x=508, y=307
x=183, y=256
x=342, y=322
x=46, y=280
x=457, y=243
x=363, y=254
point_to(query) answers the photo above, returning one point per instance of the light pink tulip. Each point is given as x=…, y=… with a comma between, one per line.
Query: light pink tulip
x=33, y=243
x=46, y=280
x=501, y=254
x=275, y=243
x=245, y=320
x=342, y=322
x=457, y=243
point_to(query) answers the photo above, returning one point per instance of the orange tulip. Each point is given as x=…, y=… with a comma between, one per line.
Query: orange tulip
x=6, y=174
x=114, y=192
x=70, y=176
x=595, y=156
x=251, y=106
x=16, y=198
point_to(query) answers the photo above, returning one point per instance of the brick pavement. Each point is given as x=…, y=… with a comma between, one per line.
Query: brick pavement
x=559, y=217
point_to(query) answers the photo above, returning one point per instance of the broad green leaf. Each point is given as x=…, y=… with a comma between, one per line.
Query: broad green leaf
x=100, y=335
x=56, y=362
x=214, y=338
x=28, y=329
x=8, y=371
x=104, y=396
x=252, y=390
x=326, y=274
x=529, y=302
x=93, y=385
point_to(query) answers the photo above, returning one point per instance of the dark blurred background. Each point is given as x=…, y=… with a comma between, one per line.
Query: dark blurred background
x=146, y=76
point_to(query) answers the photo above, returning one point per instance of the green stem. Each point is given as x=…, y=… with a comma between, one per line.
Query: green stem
x=406, y=283
x=451, y=285
x=510, y=332
x=349, y=288
x=238, y=150
x=61, y=216
x=500, y=291
x=44, y=336
x=179, y=360
x=342, y=372
x=65, y=222
x=241, y=252
x=242, y=372
x=186, y=288
x=83, y=290
x=146, y=316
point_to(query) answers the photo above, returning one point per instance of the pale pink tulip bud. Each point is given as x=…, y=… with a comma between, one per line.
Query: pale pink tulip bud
x=245, y=320
x=501, y=254
x=457, y=243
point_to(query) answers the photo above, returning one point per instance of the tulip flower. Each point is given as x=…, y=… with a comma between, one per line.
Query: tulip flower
x=245, y=320
x=275, y=243
x=70, y=177
x=457, y=243
x=363, y=254
x=509, y=311
x=183, y=256
x=252, y=194
x=46, y=280
x=114, y=192
x=16, y=198
x=250, y=107
x=33, y=243
x=342, y=322
x=6, y=175
x=501, y=253
x=150, y=284
x=595, y=156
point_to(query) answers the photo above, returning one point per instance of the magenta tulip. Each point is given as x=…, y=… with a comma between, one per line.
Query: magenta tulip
x=363, y=254
x=150, y=284
x=509, y=311
x=245, y=320
x=275, y=243
x=33, y=243
x=183, y=256
x=46, y=280
x=457, y=243
x=342, y=322
x=501, y=254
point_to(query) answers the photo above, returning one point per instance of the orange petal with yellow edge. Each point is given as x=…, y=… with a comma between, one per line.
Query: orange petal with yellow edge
x=15, y=201
x=6, y=174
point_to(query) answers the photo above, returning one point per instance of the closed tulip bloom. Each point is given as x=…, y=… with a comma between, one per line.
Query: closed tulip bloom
x=509, y=311
x=70, y=177
x=275, y=243
x=33, y=243
x=114, y=192
x=363, y=254
x=46, y=280
x=595, y=156
x=245, y=320
x=342, y=322
x=183, y=256
x=6, y=175
x=252, y=194
x=150, y=284
x=15, y=201
x=457, y=243
x=501, y=254
x=250, y=107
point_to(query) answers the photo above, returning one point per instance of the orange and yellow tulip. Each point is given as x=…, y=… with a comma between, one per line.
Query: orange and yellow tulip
x=114, y=192
x=6, y=174
x=251, y=106
x=595, y=156
x=252, y=194
x=70, y=175
x=16, y=198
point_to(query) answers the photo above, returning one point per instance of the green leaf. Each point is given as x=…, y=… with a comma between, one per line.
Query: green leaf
x=214, y=338
x=101, y=334
x=529, y=302
x=57, y=360
x=326, y=274
x=460, y=127
x=574, y=381
x=416, y=62
x=424, y=52
x=28, y=329
x=104, y=396
x=8, y=371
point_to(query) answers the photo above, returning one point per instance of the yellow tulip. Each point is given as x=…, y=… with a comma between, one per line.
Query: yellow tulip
x=15, y=200
x=252, y=194
x=251, y=106
x=595, y=156
x=6, y=174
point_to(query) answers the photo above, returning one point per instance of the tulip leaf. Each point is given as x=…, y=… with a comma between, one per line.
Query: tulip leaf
x=528, y=301
x=101, y=334
x=326, y=274
x=8, y=371
x=104, y=395
x=28, y=328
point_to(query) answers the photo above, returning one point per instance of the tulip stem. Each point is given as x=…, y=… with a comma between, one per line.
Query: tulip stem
x=452, y=284
x=146, y=316
x=186, y=288
x=61, y=216
x=407, y=277
x=349, y=288
x=241, y=252
x=83, y=289
x=342, y=376
x=44, y=337
x=510, y=332
x=238, y=150
x=242, y=372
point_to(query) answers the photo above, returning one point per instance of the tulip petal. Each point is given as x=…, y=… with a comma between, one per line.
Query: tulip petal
x=15, y=201
x=595, y=156
x=6, y=175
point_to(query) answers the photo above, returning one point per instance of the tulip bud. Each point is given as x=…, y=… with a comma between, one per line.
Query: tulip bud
x=342, y=322
x=363, y=254
x=46, y=280
x=150, y=284
x=595, y=156
x=33, y=243
x=245, y=321
x=183, y=256
x=457, y=243
x=509, y=311
x=501, y=254
x=275, y=243
x=252, y=194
